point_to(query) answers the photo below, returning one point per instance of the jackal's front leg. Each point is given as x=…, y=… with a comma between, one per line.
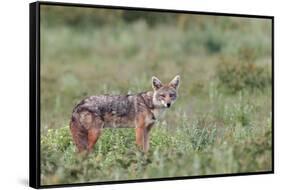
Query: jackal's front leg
x=142, y=137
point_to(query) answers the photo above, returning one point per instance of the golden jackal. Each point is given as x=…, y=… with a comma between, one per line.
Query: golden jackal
x=140, y=111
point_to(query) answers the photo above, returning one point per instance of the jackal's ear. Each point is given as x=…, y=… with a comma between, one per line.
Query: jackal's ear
x=156, y=83
x=175, y=82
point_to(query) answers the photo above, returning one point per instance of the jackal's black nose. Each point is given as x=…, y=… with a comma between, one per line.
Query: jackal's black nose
x=168, y=105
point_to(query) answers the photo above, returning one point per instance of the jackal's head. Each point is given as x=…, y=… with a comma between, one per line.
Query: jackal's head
x=165, y=95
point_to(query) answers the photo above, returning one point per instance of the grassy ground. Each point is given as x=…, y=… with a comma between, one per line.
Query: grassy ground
x=221, y=122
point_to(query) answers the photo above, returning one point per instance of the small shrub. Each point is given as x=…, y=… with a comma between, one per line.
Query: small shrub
x=236, y=75
x=213, y=45
x=214, y=40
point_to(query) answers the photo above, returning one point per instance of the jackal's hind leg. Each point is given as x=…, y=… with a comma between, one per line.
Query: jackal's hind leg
x=93, y=136
x=94, y=132
x=79, y=137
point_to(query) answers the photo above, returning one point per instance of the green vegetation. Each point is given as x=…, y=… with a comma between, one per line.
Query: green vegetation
x=237, y=74
x=221, y=122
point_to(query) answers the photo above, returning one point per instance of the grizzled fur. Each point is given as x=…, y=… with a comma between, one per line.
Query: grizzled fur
x=139, y=111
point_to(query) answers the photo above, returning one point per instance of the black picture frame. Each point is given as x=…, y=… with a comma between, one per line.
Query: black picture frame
x=34, y=93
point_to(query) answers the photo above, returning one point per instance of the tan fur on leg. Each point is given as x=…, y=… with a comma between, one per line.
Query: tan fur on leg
x=93, y=135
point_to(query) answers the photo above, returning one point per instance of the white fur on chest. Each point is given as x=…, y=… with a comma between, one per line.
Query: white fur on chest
x=159, y=113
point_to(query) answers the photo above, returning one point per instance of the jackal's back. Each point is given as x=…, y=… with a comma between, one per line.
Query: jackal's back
x=115, y=110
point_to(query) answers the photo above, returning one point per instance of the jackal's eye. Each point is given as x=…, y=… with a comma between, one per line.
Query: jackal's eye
x=162, y=95
x=172, y=95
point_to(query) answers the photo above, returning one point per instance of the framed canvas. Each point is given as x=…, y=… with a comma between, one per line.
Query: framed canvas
x=122, y=94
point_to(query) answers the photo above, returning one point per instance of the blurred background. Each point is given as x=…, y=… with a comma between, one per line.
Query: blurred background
x=221, y=122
